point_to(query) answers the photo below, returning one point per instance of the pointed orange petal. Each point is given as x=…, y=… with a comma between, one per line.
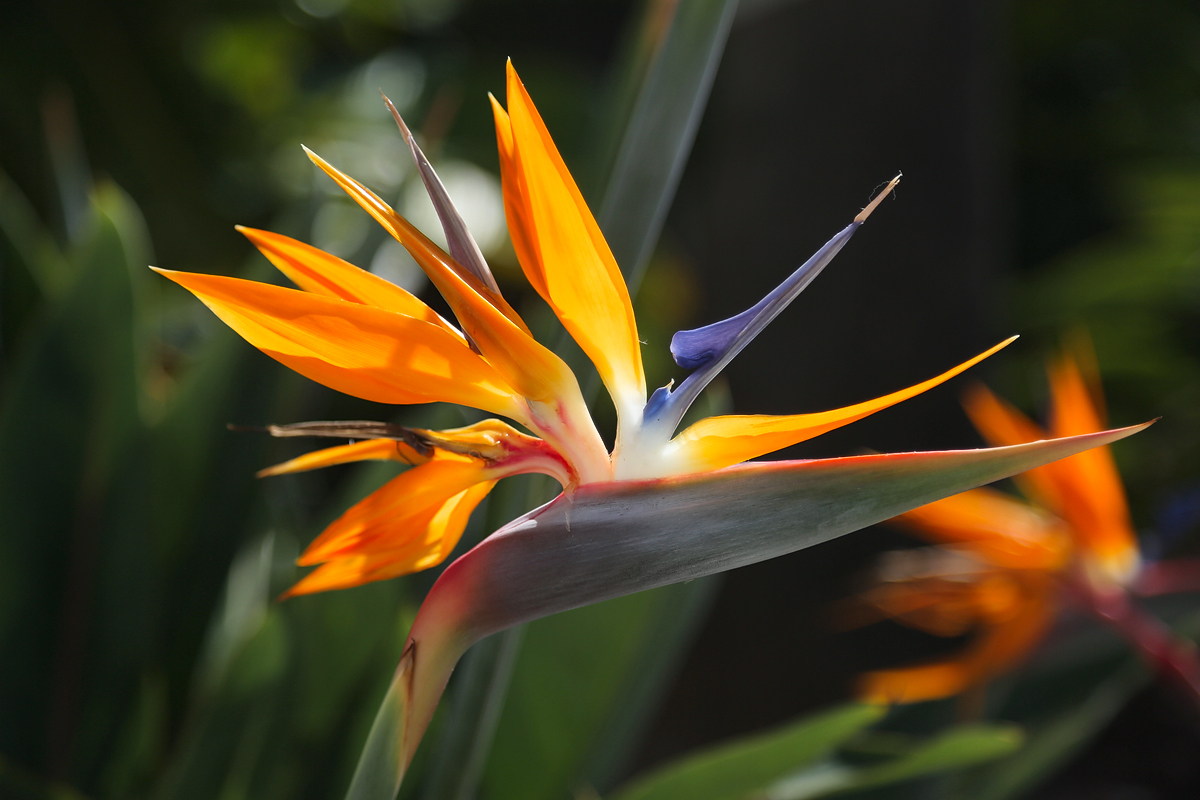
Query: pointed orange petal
x=1001, y=424
x=314, y=270
x=398, y=512
x=435, y=543
x=955, y=609
x=998, y=422
x=1092, y=493
x=487, y=319
x=344, y=573
x=430, y=548
x=583, y=284
x=997, y=528
x=516, y=211
x=360, y=350
x=455, y=282
x=718, y=442
x=449, y=523
x=368, y=450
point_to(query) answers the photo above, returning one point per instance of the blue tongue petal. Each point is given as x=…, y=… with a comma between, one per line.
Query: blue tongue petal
x=722, y=340
x=707, y=350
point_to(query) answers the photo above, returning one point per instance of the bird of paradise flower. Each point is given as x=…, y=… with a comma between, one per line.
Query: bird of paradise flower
x=1004, y=568
x=660, y=508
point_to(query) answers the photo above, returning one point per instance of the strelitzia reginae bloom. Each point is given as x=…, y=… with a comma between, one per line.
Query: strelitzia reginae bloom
x=1004, y=568
x=660, y=508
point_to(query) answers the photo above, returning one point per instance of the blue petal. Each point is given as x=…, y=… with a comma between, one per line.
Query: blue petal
x=695, y=348
x=707, y=350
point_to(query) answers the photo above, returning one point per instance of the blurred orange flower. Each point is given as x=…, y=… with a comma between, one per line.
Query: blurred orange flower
x=1003, y=567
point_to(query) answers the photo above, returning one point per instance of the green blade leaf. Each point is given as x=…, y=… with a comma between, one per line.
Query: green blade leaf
x=28, y=243
x=957, y=748
x=480, y=696
x=734, y=770
x=382, y=762
x=1064, y=700
x=661, y=129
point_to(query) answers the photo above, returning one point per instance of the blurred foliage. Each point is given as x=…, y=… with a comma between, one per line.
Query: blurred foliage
x=828, y=753
x=145, y=655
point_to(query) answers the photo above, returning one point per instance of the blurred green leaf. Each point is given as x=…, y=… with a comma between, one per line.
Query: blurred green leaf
x=734, y=770
x=1085, y=677
x=19, y=784
x=28, y=246
x=576, y=671
x=662, y=125
x=798, y=762
x=279, y=687
x=957, y=748
x=69, y=431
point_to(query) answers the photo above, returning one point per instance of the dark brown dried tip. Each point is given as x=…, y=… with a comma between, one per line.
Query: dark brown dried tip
x=351, y=429
x=866, y=212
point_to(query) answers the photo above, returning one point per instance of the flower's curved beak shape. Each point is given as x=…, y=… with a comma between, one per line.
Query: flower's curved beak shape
x=661, y=507
x=1003, y=567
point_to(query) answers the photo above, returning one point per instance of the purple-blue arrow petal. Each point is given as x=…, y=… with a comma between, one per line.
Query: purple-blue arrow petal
x=707, y=350
x=721, y=341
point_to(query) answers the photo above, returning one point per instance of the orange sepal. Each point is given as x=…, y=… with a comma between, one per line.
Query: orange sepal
x=396, y=514
x=515, y=211
x=567, y=254
x=534, y=371
x=454, y=281
x=368, y=450
x=314, y=270
x=428, y=549
x=722, y=441
x=360, y=350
